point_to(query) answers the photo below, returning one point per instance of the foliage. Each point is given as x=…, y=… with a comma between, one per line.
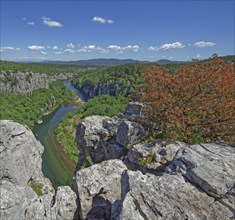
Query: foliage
x=196, y=104
x=27, y=109
x=146, y=160
x=124, y=74
x=37, y=187
x=65, y=134
x=105, y=105
x=50, y=69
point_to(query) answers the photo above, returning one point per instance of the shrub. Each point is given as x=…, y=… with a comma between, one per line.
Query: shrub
x=196, y=104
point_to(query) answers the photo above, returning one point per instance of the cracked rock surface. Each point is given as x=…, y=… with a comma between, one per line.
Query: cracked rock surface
x=20, y=165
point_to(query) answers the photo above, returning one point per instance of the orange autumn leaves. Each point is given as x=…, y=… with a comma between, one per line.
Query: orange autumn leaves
x=196, y=104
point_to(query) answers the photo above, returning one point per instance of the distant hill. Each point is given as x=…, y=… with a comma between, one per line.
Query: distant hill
x=97, y=62
x=110, y=62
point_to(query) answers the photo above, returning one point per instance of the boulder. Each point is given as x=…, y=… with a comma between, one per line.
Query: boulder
x=167, y=197
x=211, y=167
x=99, y=187
x=130, y=133
x=94, y=137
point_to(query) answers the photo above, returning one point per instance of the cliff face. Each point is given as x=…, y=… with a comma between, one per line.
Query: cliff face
x=118, y=175
x=90, y=89
x=25, y=192
x=26, y=83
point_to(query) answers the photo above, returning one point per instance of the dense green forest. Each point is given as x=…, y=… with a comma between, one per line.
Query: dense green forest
x=50, y=69
x=27, y=109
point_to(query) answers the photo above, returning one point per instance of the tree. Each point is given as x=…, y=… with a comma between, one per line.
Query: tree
x=196, y=104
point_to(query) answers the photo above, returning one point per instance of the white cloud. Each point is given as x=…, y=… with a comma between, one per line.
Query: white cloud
x=35, y=47
x=198, y=56
x=204, y=44
x=24, y=19
x=49, y=22
x=171, y=58
x=31, y=23
x=71, y=46
x=58, y=52
x=109, y=21
x=101, y=20
x=69, y=50
x=43, y=52
x=175, y=45
x=5, y=49
x=151, y=48
x=120, y=50
x=133, y=48
x=55, y=47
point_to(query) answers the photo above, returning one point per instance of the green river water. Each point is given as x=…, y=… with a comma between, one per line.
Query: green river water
x=56, y=164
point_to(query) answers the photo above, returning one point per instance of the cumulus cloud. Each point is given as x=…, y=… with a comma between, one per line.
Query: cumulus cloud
x=49, y=22
x=69, y=50
x=175, y=45
x=133, y=48
x=55, y=47
x=120, y=50
x=101, y=20
x=58, y=52
x=36, y=47
x=71, y=46
x=92, y=48
x=43, y=52
x=5, y=49
x=31, y=23
x=204, y=44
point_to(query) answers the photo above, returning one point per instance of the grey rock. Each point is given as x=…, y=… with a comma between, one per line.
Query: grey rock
x=98, y=187
x=155, y=155
x=211, y=167
x=134, y=108
x=92, y=137
x=130, y=133
x=168, y=197
x=20, y=157
x=65, y=206
x=27, y=82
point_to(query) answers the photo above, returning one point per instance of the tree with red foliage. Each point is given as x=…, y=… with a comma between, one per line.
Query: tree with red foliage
x=196, y=104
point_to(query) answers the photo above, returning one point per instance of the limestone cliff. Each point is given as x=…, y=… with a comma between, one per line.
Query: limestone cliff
x=114, y=88
x=26, y=83
x=25, y=192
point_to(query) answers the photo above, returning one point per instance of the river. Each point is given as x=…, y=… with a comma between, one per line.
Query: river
x=55, y=163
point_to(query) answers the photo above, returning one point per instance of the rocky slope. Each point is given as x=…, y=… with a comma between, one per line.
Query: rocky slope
x=118, y=176
x=26, y=83
x=163, y=179
x=25, y=192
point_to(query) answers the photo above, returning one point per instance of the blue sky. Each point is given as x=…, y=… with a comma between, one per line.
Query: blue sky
x=144, y=30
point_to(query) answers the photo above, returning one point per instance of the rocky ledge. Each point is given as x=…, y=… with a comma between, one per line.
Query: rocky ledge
x=118, y=176
x=25, y=192
x=164, y=179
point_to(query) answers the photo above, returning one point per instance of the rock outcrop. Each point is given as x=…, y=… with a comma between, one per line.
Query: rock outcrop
x=164, y=179
x=118, y=177
x=90, y=89
x=25, y=192
x=26, y=83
